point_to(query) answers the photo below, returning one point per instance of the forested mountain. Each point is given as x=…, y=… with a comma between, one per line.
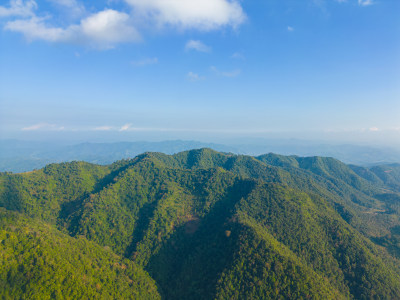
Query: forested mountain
x=202, y=224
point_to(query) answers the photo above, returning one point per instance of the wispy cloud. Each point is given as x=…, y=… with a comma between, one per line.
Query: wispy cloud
x=43, y=126
x=374, y=129
x=198, y=46
x=145, y=62
x=74, y=7
x=125, y=127
x=233, y=73
x=290, y=28
x=194, y=76
x=103, y=128
x=365, y=2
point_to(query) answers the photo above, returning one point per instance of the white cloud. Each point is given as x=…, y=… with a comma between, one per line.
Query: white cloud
x=103, y=30
x=125, y=127
x=18, y=8
x=145, y=62
x=233, y=73
x=43, y=126
x=197, y=45
x=290, y=29
x=109, y=27
x=374, y=129
x=196, y=14
x=365, y=2
x=194, y=76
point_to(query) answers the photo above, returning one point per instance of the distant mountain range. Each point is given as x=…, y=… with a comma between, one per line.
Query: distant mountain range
x=201, y=224
x=23, y=156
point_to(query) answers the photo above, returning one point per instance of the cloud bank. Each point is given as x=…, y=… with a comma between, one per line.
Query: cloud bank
x=107, y=28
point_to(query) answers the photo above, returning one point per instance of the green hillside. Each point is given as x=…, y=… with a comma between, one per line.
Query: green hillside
x=207, y=225
x=39, y=262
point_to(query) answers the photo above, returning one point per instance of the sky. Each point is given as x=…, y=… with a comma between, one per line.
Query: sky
x=210, y=69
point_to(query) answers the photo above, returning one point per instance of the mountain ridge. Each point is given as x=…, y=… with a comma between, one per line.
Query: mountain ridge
x=21, y=156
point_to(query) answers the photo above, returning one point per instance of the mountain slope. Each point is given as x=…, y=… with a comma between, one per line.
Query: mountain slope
x=39, y=262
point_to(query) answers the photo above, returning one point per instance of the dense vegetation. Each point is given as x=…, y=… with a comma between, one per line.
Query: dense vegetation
x=204, y=225
x=39, y=262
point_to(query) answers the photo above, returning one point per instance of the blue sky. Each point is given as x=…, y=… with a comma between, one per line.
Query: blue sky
x=158, y=69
